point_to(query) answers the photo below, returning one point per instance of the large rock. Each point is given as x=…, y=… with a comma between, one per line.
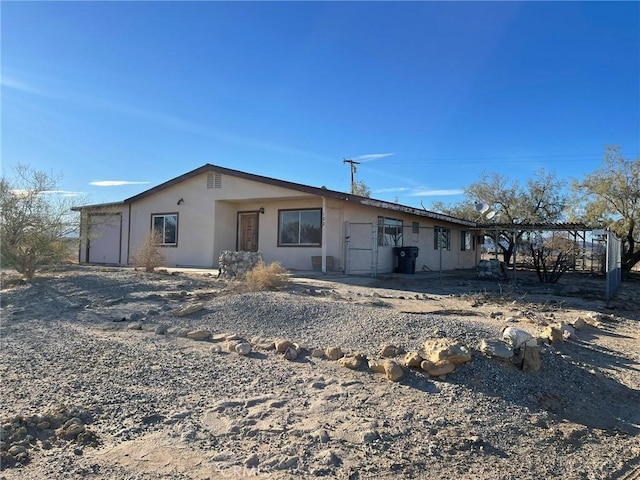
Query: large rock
x=579, y=323
x=243, y=348
x=529, y=358
x=187, y=309
x=392, y=370
x=376, y=366
x=351, y=362
x=388, y=351
x=495, y=348
x=333, y=353
x=282, y=345
x=516, y=336
x=199, y=335
x=552, y=334
x=437, y=369
x=449, y=349
x=412, y=360
x=291, y=353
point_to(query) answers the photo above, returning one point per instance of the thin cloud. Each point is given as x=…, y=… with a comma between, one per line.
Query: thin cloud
x=15, y=84
x=421, y=192
x=115, y=183
x=373, y=156
x=391, y=190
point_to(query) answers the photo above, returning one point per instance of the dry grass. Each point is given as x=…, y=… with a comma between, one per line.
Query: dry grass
x=147, y=255
x=267, y=277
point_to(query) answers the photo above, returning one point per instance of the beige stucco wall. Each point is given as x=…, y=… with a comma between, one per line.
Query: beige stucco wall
x=208, y=223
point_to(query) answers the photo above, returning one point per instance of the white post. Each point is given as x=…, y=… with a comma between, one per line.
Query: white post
x=324, y=235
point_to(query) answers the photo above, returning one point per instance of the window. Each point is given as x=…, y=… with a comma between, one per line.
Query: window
x=466, y=241
x=441, y=237
x=389, y=232
x=415, y=228
x=167, y=225
x=300, y=228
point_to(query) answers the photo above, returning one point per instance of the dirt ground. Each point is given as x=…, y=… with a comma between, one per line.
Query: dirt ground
x=155, y=405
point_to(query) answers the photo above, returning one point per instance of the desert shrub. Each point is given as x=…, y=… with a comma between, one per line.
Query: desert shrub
x=147, y=254
x=267, y=277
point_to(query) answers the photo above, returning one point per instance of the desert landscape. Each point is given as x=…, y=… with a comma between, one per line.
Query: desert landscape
x=120, y=374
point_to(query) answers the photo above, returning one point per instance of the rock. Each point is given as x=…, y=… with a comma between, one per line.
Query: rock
x=290, y=353
x=376, y=366
x=252, y=461
x=182, y=332
x=333, y=353
x=187, y=309
x=328, y=458
x=16, y=450
x=552, y=334
x=198, y=335
x=231, y=345
x=232, y=336
x=579, y=323
x=243, y=348
x=388, y=351
x=134, y=326
x=317, y=353
x=351, y=362
x=515, y=336
x=495, y=348
x=495, y=314
x=437, y=369
x=219, y=337
x=449, y=349
x=215, y=349
x=161, y=330
x=567, y=331
x=511, y=319
x=412, y=360
x=393, y=371
x=530, y=358
x=282, y=345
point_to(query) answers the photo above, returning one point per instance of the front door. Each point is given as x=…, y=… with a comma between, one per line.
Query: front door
x=248, y=232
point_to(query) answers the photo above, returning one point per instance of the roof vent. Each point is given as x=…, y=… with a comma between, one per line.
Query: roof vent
x=214, y=180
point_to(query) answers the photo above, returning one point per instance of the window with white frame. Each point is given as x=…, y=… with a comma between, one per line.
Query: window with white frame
x=389, y=232
x=301, y=228
x=167, y=225
x=441, y=238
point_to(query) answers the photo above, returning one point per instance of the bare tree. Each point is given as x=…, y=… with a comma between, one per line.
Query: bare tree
x=37, y=220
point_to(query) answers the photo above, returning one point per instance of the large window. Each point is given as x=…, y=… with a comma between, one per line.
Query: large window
x=389, y=232
x=300, y=228
x=441, y=238
x=167, y=225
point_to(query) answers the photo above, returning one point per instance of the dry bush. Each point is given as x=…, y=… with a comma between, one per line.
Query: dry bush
x=267, y=277
x=148, y=255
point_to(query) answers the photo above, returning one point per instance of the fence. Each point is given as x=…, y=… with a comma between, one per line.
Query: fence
x=613, y=265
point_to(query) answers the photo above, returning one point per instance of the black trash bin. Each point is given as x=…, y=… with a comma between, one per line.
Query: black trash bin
x=406, y=259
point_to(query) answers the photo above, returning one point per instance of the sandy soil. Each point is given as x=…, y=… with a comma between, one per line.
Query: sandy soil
x=86, y=396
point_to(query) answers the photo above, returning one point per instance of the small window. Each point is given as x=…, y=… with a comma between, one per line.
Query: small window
x=441, y=238
x=300, y=228
x=466, y=241
x=167, y=225
x=415, y=227
x=389, y=232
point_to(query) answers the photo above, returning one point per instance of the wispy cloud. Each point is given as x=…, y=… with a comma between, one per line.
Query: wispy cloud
x=423, y=192
x=63, y=193
x=115, y=183
x=372, y=156
x=391, y=190
x=9, y=82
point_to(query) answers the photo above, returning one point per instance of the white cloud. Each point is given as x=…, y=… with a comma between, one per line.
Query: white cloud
x=15, y=84
x=115, y=183
x=423, y=192
x=373, y=156
x=391, y=190
x=64, y=193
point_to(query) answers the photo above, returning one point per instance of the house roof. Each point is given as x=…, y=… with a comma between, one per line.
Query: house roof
x=319, y=191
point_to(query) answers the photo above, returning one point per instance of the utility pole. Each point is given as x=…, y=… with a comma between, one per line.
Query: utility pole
x=353, y=171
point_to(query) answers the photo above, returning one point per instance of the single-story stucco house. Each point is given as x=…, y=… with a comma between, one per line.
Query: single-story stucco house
x=212, y=209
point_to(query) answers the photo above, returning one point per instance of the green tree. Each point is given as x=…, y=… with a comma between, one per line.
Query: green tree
x=36, y=222
x=610, y=198
x=360, y=188
x=541, y=200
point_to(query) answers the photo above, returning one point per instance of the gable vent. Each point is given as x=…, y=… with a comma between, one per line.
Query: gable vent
x=214, y=180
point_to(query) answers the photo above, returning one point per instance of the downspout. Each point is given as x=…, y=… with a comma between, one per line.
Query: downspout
x=324, y=235
x=128, y=235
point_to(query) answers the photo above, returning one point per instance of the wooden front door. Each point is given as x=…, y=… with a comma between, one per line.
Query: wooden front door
x=248, y=232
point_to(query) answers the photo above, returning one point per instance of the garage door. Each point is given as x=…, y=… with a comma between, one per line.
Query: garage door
x=104, y=238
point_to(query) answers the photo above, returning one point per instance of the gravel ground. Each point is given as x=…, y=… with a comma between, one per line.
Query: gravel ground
x=84, y=396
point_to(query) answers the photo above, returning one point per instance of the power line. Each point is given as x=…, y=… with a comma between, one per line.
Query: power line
x=353, y=171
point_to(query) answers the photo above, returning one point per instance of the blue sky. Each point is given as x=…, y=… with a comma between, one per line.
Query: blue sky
x=426, y=95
